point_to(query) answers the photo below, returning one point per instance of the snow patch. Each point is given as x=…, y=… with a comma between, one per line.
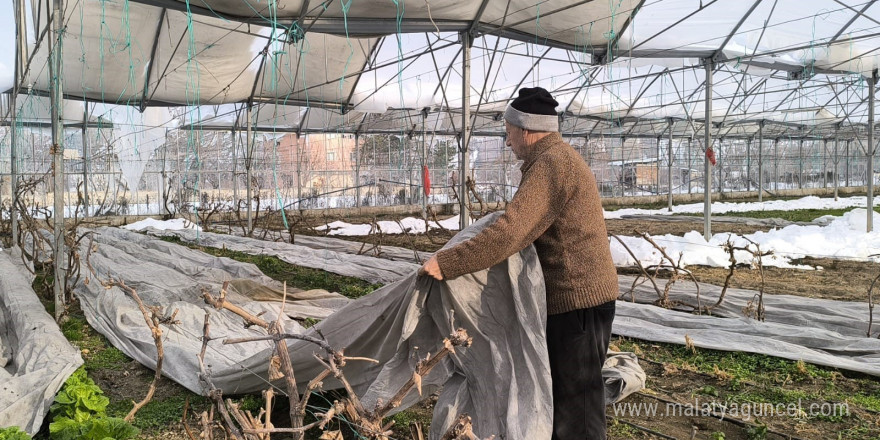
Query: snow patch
x=412, y=225
x=810, y=202
x=843, y=237
x=176, y=224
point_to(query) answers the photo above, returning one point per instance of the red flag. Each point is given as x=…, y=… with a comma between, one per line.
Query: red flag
x=710, y=153
x=426, y=180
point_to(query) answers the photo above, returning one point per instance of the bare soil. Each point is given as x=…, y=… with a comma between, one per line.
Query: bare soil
x=837, y=279
x=655, y=227
x=130, y=382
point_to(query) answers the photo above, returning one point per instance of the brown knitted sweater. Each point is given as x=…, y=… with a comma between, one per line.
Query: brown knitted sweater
x=557, y=208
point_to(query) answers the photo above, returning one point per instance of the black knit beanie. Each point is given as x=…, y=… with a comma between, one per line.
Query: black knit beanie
x=534, y=109
x=535, y=100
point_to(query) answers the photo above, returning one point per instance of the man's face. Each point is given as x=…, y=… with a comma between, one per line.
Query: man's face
x=516, y=140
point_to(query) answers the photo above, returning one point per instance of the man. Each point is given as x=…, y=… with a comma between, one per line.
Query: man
x=557, y=208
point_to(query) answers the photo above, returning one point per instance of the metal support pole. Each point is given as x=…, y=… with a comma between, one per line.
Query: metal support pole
x=657, y=171
x=836, y=162
x=407, y=181
x=801, y=163
x=85, y=170
x=749, y=164
x=20, y=60
x=248, y=162
x=761, y=162
x=872, y=81
x=776, y=164
x=219, y=170
x=690, y=163
x=301, y=147
x=357, y=170
x=846, y=171
x=424, y=195
x=179, y=174
x=635, y=175
x=57, y=97
x=707, y=166
x=466, y=41
x=162, y=175
x=720, y=175
x=669, y=167
x=825, y=163
x=13, y=212
x=234, y=164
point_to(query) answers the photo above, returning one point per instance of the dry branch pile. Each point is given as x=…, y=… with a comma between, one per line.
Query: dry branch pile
x=370, y=423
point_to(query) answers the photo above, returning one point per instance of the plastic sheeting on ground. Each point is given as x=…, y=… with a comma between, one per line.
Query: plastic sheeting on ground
x=35, y=358
x=824, y=332
x=501, y=381
x=329, y=243
x=819, y=331
x=374, y=270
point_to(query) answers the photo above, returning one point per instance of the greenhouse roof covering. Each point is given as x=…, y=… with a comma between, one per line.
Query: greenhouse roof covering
x=622, y=68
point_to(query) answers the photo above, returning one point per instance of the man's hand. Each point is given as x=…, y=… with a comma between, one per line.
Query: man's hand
x=432, y=268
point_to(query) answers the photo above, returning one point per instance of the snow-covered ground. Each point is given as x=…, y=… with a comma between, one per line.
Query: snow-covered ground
x=412, y=225
x=176, y=224
x=843, y=237
x=810, y=202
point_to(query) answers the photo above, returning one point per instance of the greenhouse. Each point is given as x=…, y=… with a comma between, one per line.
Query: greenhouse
x=170, y=169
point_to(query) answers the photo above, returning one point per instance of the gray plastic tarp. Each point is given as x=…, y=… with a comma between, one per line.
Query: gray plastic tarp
x=502, y=381
x=820, y=331
x=35, y=358
x=331, y=259
x=320, y=242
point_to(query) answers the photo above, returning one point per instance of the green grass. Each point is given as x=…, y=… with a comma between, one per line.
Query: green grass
x=801, y=215
x=295, y=276
x=869, y=402
x=657, y=205
x=251, y=403
x=739, y=365
x=97, y=351
x=617, y=428
x=770, y=380
x=160, y=413
x=403, y=419
x=663, y=203
x=108, y=358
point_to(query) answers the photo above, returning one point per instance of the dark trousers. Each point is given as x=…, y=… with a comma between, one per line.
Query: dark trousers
x=577, y=343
